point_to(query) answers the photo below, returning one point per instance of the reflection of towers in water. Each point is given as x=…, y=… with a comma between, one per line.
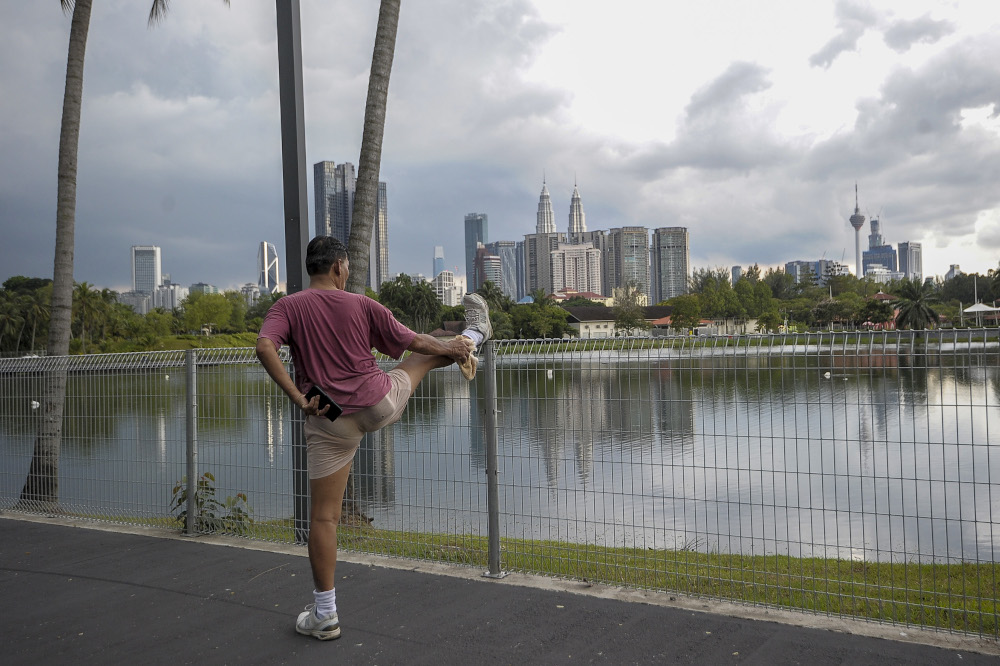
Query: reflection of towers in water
x=673, y=408
x=585, y=414
x=374, y=467
x=857, y=221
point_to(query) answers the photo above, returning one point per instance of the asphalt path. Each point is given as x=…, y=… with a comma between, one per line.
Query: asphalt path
x=73, y=594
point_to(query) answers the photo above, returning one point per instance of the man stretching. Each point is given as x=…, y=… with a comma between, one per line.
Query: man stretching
x=331, y=333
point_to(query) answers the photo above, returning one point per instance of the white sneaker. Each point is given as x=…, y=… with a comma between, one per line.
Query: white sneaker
x=477, y=315
x=323, y=628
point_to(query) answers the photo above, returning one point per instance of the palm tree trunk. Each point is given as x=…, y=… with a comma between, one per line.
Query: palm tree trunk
x=363, y=215
x=41, y=488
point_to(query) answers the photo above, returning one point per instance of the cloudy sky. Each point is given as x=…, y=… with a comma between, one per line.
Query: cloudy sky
x=748, y=123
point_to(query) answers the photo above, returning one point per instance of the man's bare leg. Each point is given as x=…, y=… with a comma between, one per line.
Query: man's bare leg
x=416, y=366
x=327, y=499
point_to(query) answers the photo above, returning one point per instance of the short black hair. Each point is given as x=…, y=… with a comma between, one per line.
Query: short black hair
x=322, y=253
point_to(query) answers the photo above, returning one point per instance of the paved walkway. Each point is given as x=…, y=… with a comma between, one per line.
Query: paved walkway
x=77, y=595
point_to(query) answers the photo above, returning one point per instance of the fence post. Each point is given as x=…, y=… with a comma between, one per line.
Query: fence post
x=492, y=472
x=191, y=397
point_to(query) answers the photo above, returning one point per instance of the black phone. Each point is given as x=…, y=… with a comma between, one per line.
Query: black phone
x=324, y=400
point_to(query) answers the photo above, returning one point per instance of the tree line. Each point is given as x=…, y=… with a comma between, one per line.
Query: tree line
x=100, y=324
x=775, y=298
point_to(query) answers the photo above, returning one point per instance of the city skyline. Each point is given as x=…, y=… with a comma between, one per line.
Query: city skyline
x=755, y=146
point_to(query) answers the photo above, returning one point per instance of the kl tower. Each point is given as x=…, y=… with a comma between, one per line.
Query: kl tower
x=857, y=221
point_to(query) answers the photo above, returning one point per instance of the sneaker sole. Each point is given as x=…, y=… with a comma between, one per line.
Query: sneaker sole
x=321, y=635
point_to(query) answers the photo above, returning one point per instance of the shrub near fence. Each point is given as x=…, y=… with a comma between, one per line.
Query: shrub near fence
x=841, y=474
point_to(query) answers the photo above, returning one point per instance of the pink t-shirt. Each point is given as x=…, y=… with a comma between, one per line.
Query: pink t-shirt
x=331, y=334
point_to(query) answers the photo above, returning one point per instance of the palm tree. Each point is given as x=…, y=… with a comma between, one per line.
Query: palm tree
x=41, y=488
x=363, y=215
x=913, y=307
x=36, y=310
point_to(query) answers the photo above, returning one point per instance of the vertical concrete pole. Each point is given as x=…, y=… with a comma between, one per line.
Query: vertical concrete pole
x=293, y=170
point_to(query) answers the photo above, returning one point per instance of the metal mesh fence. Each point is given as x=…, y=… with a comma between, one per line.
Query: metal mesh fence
x=848, y=474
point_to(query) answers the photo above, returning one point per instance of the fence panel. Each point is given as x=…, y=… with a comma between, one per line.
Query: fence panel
x=848, y=474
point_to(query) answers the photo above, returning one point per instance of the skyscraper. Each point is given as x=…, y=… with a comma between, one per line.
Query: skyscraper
x=545, y=220
x=576, y=267
x=438, y=259
x=670, y=261
x=878, y=253
x=147, y=272
x=334, y=186
x=378, y=267
x=476, y=233
x=911, y=261
x=267, y=269
x=627, y=259
x=511, y=268
x=577, y=219
x=857, y=221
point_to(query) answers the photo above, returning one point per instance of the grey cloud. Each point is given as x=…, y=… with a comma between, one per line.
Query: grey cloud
x=718, y=132
x=901, y=35
x=853, y=20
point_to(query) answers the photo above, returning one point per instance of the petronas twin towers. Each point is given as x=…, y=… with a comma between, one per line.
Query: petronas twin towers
x=546, y=220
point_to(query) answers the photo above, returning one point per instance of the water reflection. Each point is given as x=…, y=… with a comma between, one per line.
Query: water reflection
x=871, y=456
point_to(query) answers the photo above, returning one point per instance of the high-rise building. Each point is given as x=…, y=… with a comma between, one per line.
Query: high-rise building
x=878, y=253
x=476, y=233
x=737, y=272
x=488, y=267
x=819, y=272
x=448, y=291
x=577, y=219
x=511, y=267
x=953, y=272
x=538, y=249
x=267, y=269
x=670, y=262
x=378, y=266
x=146, y=269
x=203, y=288
x=911, y=263
x=545, y=220
x=438, y=259
x=334, y=187
x=251, y=293
x=857, y=221
x=627, y=259
x=576, y=267
x=169, y=296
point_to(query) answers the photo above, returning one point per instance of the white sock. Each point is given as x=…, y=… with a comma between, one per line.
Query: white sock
x=475, y=336
x=326, y=602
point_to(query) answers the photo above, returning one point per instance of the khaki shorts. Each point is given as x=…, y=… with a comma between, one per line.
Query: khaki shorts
x=331, y=444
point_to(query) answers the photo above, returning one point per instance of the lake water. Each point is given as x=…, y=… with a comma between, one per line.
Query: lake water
x=879, y=460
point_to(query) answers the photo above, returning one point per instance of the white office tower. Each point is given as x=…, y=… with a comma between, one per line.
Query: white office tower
x=146, y=269
x=576, y=267
x=577, y=218
x=545, y=220
x=911, y=261
x=448, y=290
x=267, y=269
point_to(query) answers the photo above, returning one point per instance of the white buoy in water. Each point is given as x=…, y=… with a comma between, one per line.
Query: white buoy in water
x=35, y=404
x=167, y=377
x=548, y=373
x=826, y=374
